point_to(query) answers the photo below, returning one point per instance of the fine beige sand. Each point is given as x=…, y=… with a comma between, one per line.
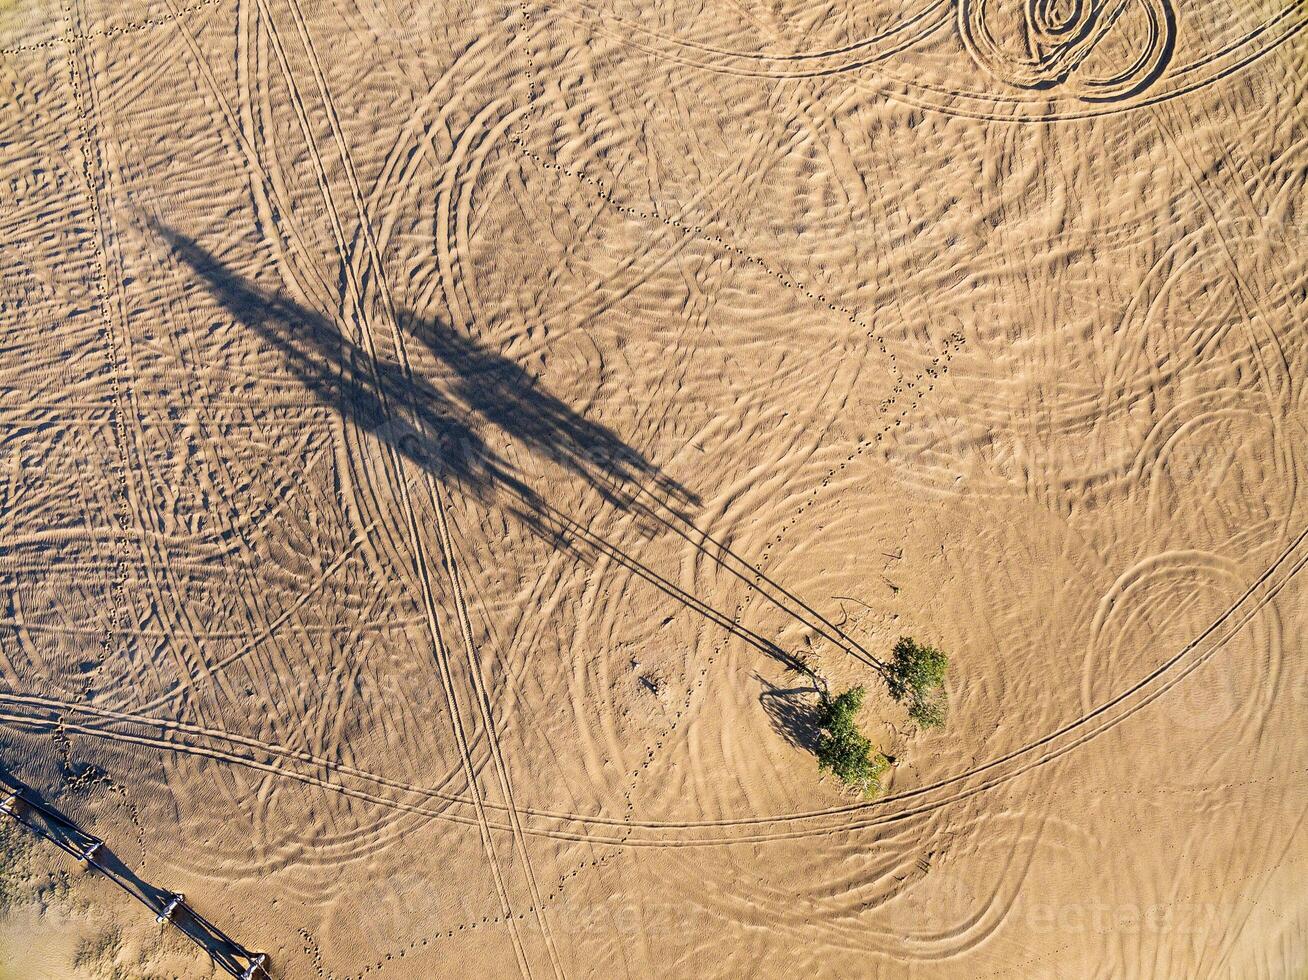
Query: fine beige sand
x=430, y=431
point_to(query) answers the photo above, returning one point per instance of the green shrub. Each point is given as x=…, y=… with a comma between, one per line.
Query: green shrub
x=838, y=712
x=916, y=677
x=843, y=750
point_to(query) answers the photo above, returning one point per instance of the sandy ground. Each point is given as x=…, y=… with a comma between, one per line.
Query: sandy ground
x=427, y=431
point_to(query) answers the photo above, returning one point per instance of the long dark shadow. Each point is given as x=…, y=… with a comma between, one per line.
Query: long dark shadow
x=795, y=712
x=438, y=425
x=499, y=390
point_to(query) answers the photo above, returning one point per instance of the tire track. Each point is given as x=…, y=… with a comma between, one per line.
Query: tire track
x=1278, y=385
x=41, y=713
x=354, y=297
x=447, y=555
x=130, y=27
x=357, y=299
x=915, y=92
x=197, y=386
x=127, y=499
x=923, y=23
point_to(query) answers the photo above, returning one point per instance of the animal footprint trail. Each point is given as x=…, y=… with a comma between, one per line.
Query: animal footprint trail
x=434, y=436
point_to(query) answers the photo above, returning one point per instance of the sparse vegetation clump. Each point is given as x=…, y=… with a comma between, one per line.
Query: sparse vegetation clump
x=843, y=750
x=15, y=876
x=916, y=677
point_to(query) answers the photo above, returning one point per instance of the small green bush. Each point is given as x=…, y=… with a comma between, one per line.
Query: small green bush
x=916, y=677
x=839, y=712
x=843, y=750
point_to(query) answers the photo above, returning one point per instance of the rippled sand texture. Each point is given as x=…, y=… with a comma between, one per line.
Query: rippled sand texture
x=428, y=432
